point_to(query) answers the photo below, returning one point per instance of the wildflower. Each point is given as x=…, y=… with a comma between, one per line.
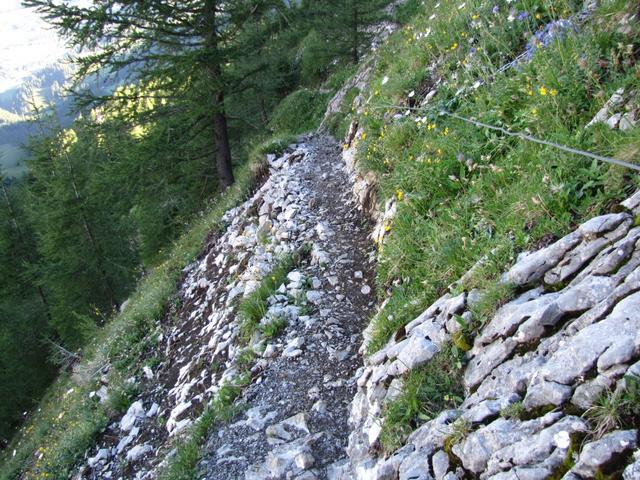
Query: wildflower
x=495, y=10
x=538, y=16
x=385, y=80
x=399, y=195
x=475, y=16
x=363, y=136
x=376, y=93
x=553, y=92
x=543, y=91
x=446, y=131
x=387, y=228
x=454, y=46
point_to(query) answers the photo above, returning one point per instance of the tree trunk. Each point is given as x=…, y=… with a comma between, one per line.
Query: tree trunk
x=354, y=46
x=223, y=150
x=214, y=72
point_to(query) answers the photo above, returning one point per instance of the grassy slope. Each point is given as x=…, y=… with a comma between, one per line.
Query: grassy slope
x=67, y=421
x=465, y=192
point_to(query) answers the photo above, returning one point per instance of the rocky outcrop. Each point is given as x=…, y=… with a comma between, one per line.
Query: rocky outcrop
x=569, y=337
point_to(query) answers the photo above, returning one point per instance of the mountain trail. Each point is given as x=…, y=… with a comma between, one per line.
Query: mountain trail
x=293, y=413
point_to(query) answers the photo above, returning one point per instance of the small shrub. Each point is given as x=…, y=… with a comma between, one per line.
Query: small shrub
x=616, y=409
x=461, y=429
x=515, y=411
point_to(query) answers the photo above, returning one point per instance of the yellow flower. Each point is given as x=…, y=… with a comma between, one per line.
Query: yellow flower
x=454, y=46
x=364, y=135
x=446, y=131
x=399, y=195
x=538, y=16
x=543, y=91
x=387, y=228
x=553, y=92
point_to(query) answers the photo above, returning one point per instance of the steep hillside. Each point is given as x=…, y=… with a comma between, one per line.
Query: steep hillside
x=450, y=290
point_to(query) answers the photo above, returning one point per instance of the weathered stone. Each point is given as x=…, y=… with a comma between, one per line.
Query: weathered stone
x=415, y=467
x=532, y=267
x=595, y=344
x=440, y=464
x=287, y=429
x=542, y=393
x=417, y=351
x=487, y=359
x=137, y=452
x=476, y=450
x=536, y=449
x=135, y=411
x=599, y=453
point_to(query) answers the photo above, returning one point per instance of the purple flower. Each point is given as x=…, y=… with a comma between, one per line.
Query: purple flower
x=496, y=9
x=523, y=16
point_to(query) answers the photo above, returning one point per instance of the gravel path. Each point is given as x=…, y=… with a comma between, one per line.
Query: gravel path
x=296, y=422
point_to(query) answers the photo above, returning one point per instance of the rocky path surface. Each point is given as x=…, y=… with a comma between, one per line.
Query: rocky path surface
x=296, y=422
x=293, y=422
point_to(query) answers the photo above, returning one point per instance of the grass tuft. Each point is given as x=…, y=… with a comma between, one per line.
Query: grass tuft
x=428, y=390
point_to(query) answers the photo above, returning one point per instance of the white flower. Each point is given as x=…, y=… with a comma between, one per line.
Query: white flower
x=462, y=5
x=385, y=80
x=412, y=94
x=432, y=16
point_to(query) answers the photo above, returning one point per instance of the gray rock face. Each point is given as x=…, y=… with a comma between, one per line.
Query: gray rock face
x=567, y=339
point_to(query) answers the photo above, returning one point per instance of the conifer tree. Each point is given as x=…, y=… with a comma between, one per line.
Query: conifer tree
x=345, y=25
x=184, y=48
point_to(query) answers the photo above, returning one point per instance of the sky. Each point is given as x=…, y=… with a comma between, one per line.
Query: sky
x=26, y=44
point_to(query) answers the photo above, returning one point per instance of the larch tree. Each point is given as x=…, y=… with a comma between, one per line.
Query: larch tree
x=184, y=48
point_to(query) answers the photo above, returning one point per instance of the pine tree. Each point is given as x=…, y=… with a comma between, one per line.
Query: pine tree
x=24, y=368
x=345, y=25
x=182, y=48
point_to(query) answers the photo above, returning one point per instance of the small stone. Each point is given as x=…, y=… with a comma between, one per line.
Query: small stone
x=357, y=274
x=314, y=296
x=135, y=411
x=270, y=351
x=365, y=290
x=320, y=407
x=304, y=460
x=138, y=451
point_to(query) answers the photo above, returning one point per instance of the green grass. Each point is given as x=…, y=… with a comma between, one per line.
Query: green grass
x=182, y=466
x=300, y=112
x=274, y=328
x=254, y=306
x=616, y=409
x=427, y=390
x=466, y=194
x=67, y=422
